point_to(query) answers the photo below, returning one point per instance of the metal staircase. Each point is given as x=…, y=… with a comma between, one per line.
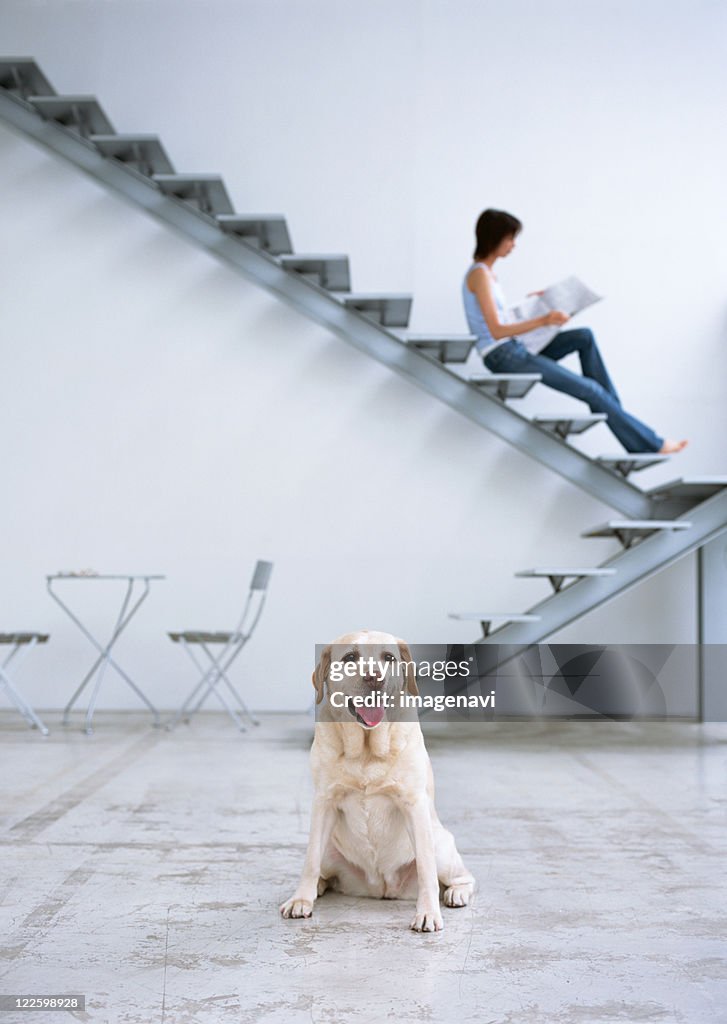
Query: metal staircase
x=648, y=546
x=319, y=285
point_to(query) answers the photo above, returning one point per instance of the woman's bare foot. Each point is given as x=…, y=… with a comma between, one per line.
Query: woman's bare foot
x=672, y=447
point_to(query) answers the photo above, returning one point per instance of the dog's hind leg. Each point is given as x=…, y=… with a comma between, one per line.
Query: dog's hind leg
x=455, y=879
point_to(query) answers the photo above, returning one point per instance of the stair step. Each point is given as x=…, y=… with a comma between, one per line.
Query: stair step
x=558, y=576
x=330, y=271
x=269, y=231
x=207, y=191
x=453, y=348
x=505, y=385
x=144, y=153
x=629, y=530
x=489, y=619
x=387, y=310
x=565, y=425
x=82, y=114
x=631, y=462
x=691, y=489
x=22, y=75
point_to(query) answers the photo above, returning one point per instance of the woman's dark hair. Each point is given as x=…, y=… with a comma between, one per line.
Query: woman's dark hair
x=492, y=227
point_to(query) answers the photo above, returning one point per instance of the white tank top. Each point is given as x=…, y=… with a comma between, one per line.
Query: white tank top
x=475, y=317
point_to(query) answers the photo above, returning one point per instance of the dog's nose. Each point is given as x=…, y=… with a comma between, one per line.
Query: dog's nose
x=375, y=682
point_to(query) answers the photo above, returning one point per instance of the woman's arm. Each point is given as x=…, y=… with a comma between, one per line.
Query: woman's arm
x=479, y=283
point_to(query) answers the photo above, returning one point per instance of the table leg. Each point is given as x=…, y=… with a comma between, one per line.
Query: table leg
x=104, y=657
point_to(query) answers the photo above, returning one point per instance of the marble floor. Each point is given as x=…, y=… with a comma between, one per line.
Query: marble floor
x=143, y=869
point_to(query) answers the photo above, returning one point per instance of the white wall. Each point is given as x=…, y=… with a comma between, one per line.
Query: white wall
x=161, y=414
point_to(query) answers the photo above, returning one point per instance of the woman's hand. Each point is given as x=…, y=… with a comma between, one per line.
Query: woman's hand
x=555, y=318
x=478, y=282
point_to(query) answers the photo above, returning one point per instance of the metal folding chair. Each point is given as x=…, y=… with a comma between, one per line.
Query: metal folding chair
x=221, y=649
x=17, y=642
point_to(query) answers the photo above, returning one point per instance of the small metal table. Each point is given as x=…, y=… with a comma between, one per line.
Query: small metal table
x=128, y=609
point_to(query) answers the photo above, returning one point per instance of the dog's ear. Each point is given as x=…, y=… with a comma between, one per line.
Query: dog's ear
x=409, y=672
x=320, y=674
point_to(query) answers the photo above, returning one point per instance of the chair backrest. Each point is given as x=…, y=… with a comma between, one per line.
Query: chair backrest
x=255, y=598
x=261, y=576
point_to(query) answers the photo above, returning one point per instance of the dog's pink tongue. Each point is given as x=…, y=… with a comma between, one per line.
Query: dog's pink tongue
x=371, y=716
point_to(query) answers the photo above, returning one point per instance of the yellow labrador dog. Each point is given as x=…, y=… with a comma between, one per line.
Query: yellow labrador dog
x=374, y=828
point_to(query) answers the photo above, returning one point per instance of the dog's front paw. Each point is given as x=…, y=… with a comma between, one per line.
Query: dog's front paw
x=458, y=895
x=296, y=906
x=427, y=921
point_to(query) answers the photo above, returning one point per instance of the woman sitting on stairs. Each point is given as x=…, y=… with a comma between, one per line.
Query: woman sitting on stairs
x=501, y=351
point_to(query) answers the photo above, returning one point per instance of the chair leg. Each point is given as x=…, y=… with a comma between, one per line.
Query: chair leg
x=211, y=681
x=223, y=664
x=215, y=672
x=17, y=700
x=183, y=713
x=228, y=708
x=218, y=665
x=207, y=684
x=240, y=701
x=23, y=707
x=211, y=676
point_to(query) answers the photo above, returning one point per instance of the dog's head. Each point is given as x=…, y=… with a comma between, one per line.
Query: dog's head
x=360, y=676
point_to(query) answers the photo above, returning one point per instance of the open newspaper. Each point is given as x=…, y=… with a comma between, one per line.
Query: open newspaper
x=570, y=296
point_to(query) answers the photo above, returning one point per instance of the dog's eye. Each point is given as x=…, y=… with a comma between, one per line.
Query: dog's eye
x=350, y=656
x=388, y=656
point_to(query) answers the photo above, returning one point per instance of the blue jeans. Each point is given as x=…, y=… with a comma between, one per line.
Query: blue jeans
x=594, y=387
